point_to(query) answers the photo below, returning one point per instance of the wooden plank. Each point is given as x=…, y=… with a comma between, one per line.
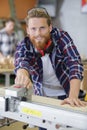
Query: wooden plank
x=51, y=102
x=56, y=103
x=6, y=70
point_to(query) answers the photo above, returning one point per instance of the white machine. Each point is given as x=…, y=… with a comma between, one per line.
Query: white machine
x=47, y=114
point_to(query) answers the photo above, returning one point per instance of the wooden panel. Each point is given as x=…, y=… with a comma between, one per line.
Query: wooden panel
x=6, y=70
x=56, y=103
x=22, y=6
x=4, y=9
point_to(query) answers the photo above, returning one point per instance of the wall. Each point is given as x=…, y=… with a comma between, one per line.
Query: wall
x=22, y=6
x=18, y=9
x=71, y=19
x=4, y=9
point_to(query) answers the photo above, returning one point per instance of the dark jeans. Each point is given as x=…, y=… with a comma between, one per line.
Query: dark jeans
x=59, y=97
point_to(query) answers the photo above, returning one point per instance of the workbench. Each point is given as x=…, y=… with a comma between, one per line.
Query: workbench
x=41, y=111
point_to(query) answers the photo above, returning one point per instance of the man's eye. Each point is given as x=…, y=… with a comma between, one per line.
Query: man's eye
x=33, y=29
x=42, y=27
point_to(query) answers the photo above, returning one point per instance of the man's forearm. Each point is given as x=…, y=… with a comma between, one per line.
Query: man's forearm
x=74, y=88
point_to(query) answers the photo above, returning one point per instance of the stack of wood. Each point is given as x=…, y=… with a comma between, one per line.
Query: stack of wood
x=6, y=62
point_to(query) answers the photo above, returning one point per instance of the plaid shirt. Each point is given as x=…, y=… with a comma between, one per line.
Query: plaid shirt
x=64, y=57
x=8, y=43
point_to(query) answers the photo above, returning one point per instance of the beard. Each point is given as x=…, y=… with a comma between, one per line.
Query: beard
x=39, y=42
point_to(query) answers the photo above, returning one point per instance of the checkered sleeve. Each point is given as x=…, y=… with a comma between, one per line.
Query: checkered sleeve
x=71, y=57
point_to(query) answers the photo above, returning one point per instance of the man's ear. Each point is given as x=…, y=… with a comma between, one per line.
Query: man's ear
x=50, y=27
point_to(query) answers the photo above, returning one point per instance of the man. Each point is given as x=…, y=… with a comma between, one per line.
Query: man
x=8, y=38
x=48, y=60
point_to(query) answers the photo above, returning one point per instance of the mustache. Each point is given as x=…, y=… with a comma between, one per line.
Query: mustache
x=38, y=36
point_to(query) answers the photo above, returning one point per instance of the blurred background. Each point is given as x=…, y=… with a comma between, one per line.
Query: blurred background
x=66, y=14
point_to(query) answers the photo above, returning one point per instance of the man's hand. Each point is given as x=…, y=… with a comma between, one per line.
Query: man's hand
x=22, y=78
x=74, y=102
x=73, y=99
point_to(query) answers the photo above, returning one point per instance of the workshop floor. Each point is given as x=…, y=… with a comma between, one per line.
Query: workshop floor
x=19, y=126
x=16, y=126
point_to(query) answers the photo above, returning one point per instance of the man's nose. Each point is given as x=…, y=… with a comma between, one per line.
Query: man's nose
x=38, y=32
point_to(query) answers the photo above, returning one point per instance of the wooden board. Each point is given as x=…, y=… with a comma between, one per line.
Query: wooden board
x=6, y=70
x=57, y=103
x=51, y=102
